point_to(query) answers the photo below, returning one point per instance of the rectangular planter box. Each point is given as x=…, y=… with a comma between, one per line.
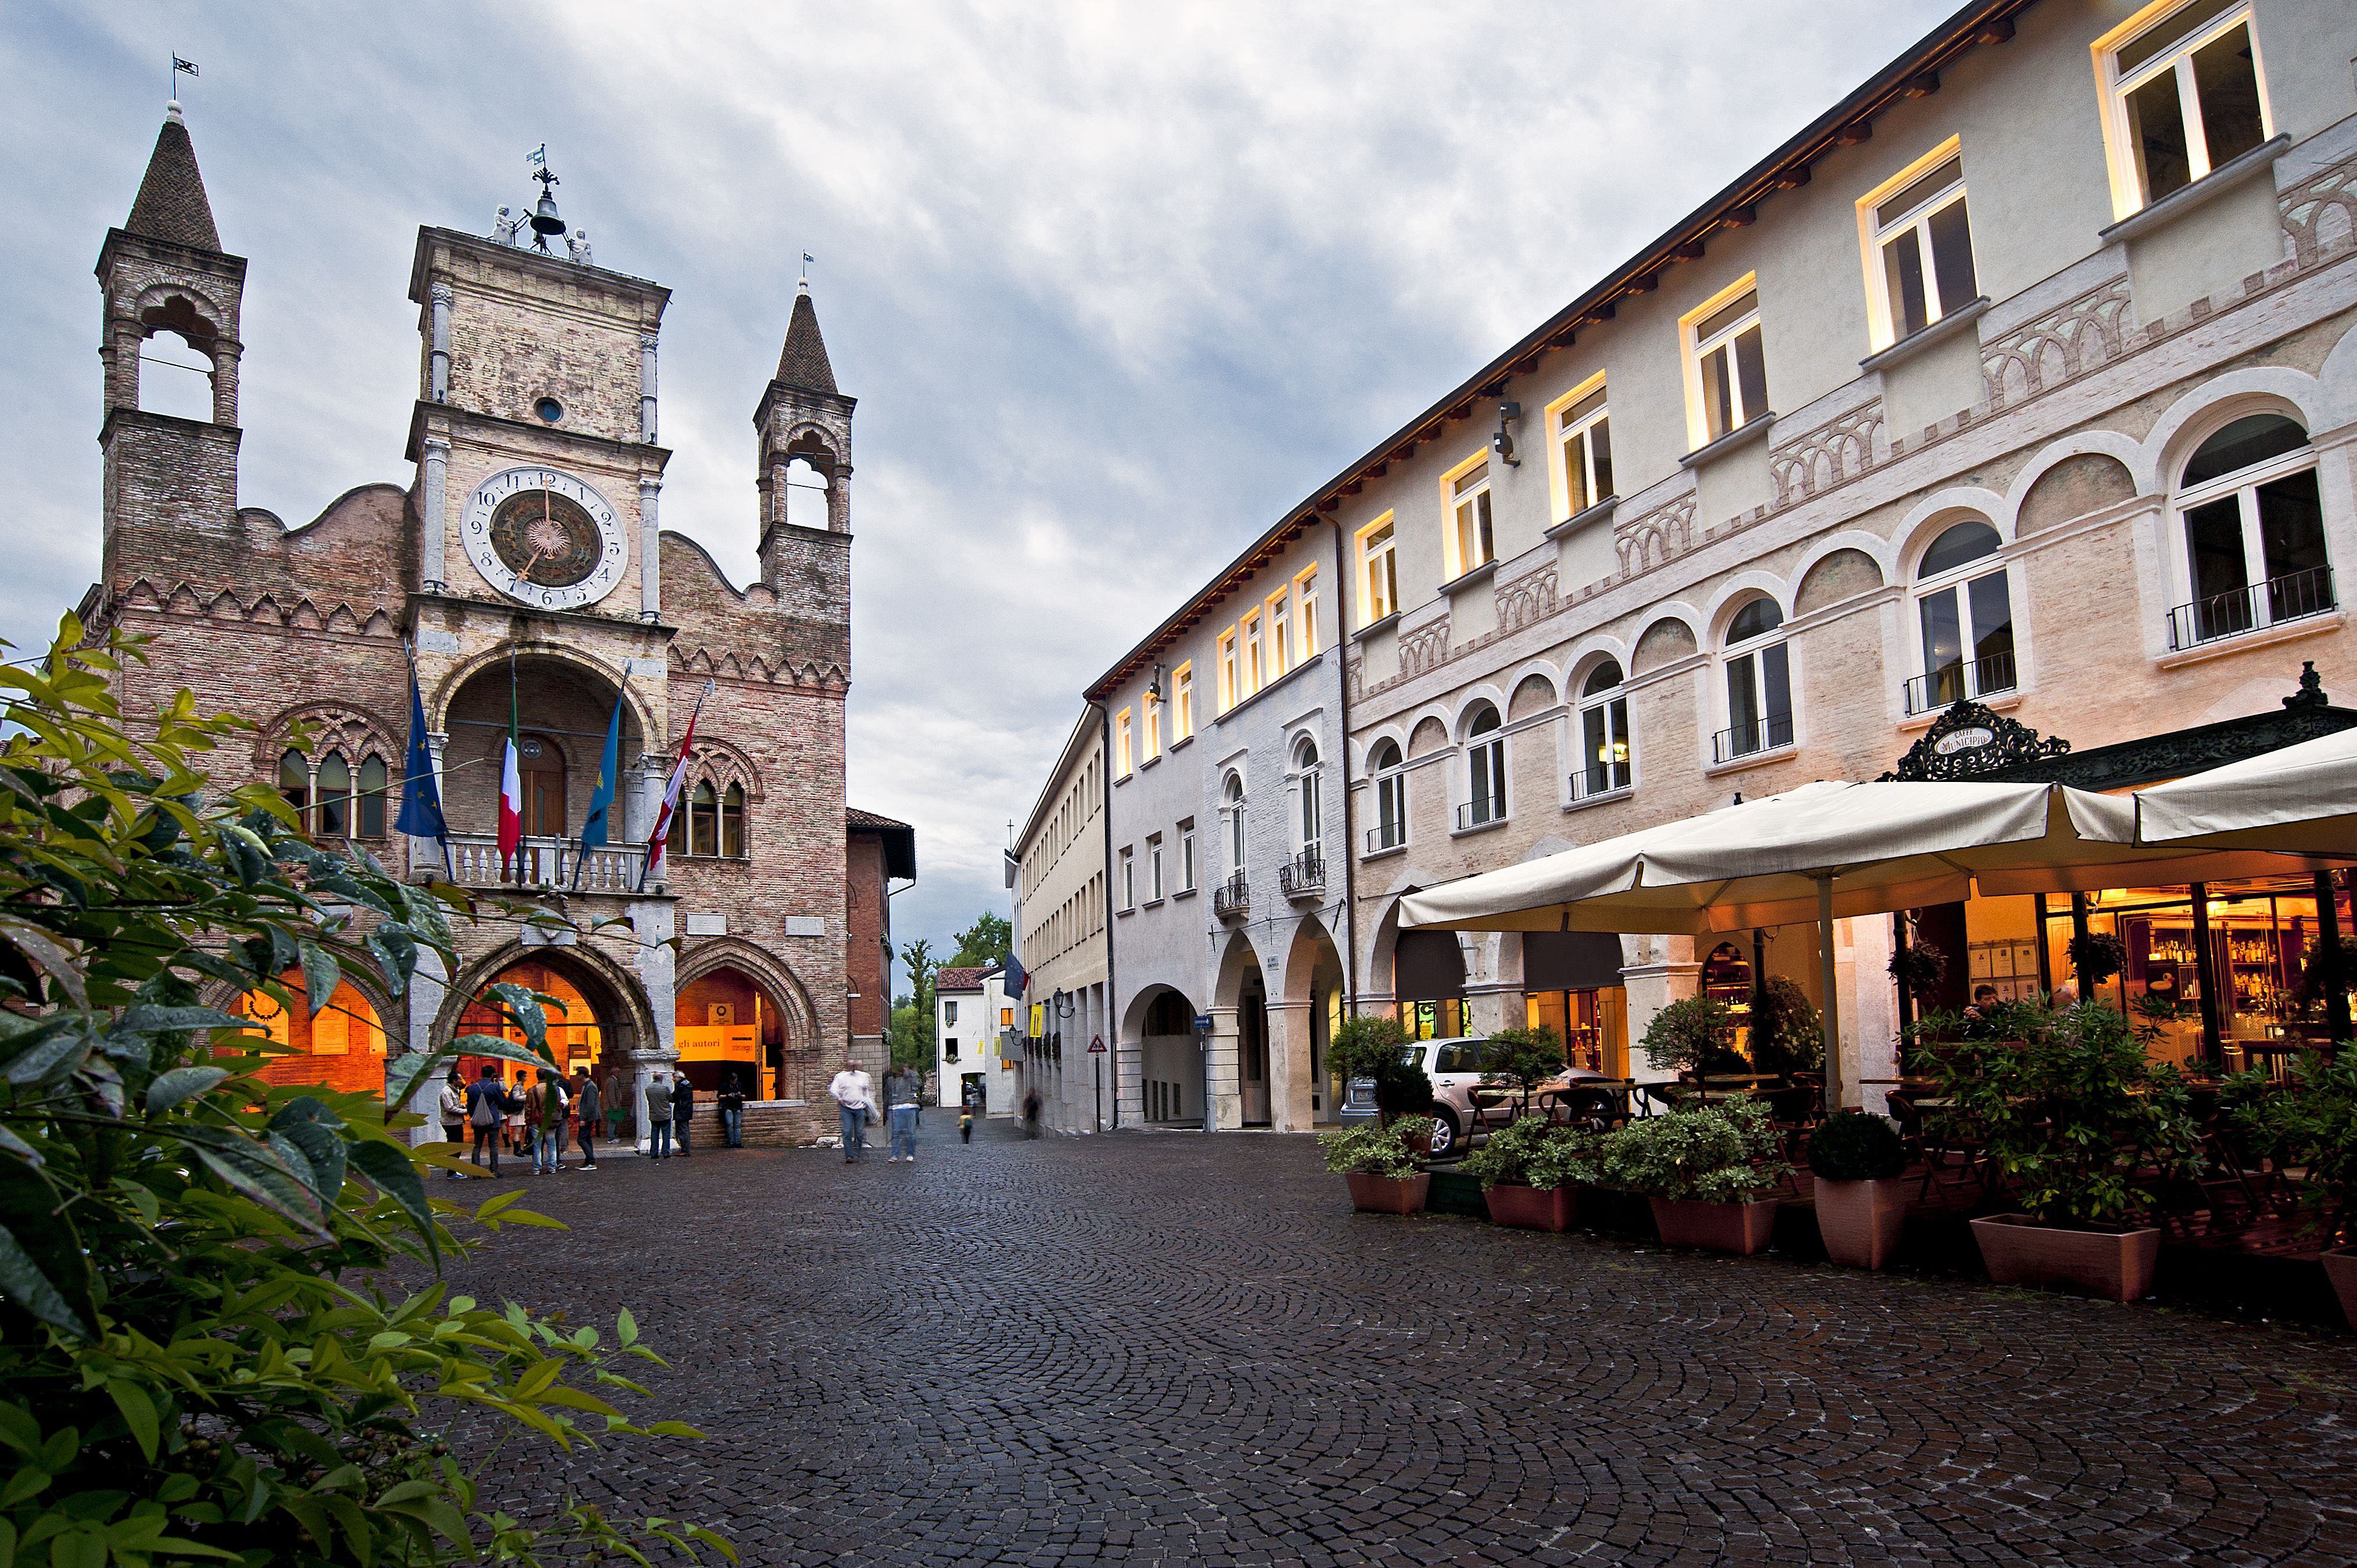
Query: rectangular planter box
x=1859, y=1220
x=2110, y=1265
x=1741, y=1229
x=1381, y=1195
x=1452, y=1192
x=1532, y=1208
x=2340, y=1268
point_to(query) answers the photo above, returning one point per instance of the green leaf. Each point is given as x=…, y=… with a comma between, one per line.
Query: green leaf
x=29, y=1481
x=258, y=1171
x=24, y=1282
x=138, y=1413
x=180, y=1084
x=320, y=975
x=524, y=1007
x=390, y=1169
x=718, y=1543
x=626, y=1327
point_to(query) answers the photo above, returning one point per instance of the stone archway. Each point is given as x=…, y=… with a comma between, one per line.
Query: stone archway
x=618, y=1040
x=1302, y=1023
x=738, y=1008
x=1172, y=1064
x=1238, y=1054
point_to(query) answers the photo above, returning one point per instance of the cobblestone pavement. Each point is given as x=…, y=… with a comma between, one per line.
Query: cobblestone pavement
x=1179, y=1348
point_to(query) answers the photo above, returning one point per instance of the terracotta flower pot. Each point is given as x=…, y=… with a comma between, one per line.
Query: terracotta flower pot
x=1860, y=1219
x=1741, y=1229
x=2110, y=1265
x=1383, y=1195
x=1532, y=1208
x=2340, y=1268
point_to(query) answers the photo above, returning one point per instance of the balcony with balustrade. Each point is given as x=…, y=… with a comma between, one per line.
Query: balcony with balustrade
x=1303, y=877
x=1232, y=900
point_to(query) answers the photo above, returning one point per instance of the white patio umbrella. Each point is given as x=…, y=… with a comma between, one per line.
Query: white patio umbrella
x=2301, y=798
x=1829, y=850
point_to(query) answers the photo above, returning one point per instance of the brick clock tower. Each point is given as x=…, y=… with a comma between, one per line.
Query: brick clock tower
x=525, y=570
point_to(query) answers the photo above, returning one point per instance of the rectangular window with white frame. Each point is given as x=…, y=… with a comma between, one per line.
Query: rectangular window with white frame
x=1470, y=543
x=1726, y=367
x=1305, y=612
x=1255, y=671
x=1154, y=867
x=1378, y=571
x=1182, y=703
x=1280, y=632
x=1151, y=718
x=1231, y=673
x=1121, y=743
x=1186, y=855
x=1584, y=445
x=1128, y=879
x=1919, y=241
x=2183, y=92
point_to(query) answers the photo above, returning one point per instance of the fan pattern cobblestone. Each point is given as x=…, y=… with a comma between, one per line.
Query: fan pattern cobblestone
x=1165, y=1349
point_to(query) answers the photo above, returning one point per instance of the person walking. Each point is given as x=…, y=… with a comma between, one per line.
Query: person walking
x=853, y=1095
x=616, y=1094
x=486, y=1108
x=1031, y=1114
x=683, y=1109
x=732, y=1111
x=658, y=1117
x=543, y=1114
x=452, y=1108
x=901, y=1096
x=519, y=1133
x=588, y=1107
x=966, y=1122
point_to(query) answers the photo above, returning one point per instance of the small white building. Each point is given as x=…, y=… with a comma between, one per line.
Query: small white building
x=971, y=1017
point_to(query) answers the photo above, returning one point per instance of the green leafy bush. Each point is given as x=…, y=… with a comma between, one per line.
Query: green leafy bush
x=1787, y=1034
x=1377, y=1047
x=1375, y=1148
x=1519, y=1060
x=205, y=1354
x=1530, y=1153
x=1694, y=1034
x=2070, y=1109
x=2096, y=957
x=1855, y=1145
x=2313, y=1124
x=1725, y=1152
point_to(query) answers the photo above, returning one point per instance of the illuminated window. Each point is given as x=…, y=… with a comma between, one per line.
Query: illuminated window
x=2183, y=96
x=1182, y=702
x=1585, y=447
x=1379, y=571
x=1280, y=632
x=1121, y=764
x=1469, y=503
x=1151, y=718
x=1603, y=733
x=1727, y=376
x=1255, y=671
x=1920, y=252
x=1230, y=675
x=1305, y=603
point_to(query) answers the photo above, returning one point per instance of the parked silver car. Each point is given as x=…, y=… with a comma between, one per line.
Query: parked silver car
x=1456, y=1067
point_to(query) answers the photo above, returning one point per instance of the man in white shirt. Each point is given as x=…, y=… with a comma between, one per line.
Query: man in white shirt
x=855, y=1094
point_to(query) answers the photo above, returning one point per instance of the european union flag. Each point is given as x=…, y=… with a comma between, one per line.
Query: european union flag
x=421, y=795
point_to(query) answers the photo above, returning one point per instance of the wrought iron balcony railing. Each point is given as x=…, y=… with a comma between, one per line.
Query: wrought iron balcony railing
x=1303, y=877
x=2292, y=596
x=1951, y=683
x=1481, y=812
x=1771, y=733
x=1387, y=836
x=1600, y=778
x=1232, y=896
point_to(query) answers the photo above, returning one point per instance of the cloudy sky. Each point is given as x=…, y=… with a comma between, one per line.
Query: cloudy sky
x=1115, y=283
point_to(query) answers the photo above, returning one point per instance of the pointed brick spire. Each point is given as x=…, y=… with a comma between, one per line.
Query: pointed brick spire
x=172, y=204
x=803, y=364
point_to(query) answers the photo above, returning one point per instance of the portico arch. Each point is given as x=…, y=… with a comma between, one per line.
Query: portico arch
x=730, y=995
x=1305, y=1022
x=1237, y=1068
x=1172, y=1060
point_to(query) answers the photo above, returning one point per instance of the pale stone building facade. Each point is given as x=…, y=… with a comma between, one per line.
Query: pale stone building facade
x=1061, y=880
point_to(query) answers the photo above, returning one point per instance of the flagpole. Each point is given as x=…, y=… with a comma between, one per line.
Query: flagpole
x=663, y=814
x=581, y=845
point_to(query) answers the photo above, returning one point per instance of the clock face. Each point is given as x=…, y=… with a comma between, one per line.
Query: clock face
x=541, y=536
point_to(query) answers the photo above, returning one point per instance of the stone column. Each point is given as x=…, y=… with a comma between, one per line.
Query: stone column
x=1288, y=1067
x=650, y=551
x=437, y=374
x=1870, y=1008
x=647, y=388
x=432, y=489
x=225, y=358
x=1224, y=1070
x=427, y=985
x=1667, y=972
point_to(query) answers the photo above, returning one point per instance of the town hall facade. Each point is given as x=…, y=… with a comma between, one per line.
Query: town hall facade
x=524, y=572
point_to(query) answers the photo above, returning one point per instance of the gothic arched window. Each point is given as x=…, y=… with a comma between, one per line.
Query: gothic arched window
x=732, y=821
x=371, y=807
x=333, y=813
x=295, y=783
x=703, y=821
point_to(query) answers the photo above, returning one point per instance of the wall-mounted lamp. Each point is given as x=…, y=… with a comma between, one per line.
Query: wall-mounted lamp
x=1155, y=685
x=1062, y=1003
x=1503, y=442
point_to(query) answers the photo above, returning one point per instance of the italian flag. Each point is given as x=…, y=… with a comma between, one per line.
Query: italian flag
x=659, y=841
x=510, y=800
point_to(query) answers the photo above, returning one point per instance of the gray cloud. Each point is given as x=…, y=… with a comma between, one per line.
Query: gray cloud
x=1114, y=284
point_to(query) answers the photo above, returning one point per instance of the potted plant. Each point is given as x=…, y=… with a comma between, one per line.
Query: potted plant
x=1857, y=1157
x=1693, y=1035
x=1787, y=1035
x=1918, y=966
x=1377, y=1049
x=1377, y=1161
x=1520, y=1060
x=2069, y=1112
x=1531, y=1173
x=2095, y=957
x=2315, y=1126
x=1705, y=1169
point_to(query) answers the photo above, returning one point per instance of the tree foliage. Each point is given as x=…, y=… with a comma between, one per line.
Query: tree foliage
x=985, y=942
x=206, y=1354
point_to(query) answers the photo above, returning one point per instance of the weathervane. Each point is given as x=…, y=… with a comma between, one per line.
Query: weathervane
x=180, y=68
x=544, y=221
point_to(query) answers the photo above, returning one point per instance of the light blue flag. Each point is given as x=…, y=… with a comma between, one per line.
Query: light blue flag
x=594, y=828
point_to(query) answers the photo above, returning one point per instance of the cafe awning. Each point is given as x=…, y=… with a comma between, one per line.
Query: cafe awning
x=2300, y=799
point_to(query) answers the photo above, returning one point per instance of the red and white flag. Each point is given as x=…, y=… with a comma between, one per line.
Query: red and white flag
x=510, y=806
x=659, y=841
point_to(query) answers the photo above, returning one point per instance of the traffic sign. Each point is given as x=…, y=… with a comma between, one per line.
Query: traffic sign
x=1097, y=1047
